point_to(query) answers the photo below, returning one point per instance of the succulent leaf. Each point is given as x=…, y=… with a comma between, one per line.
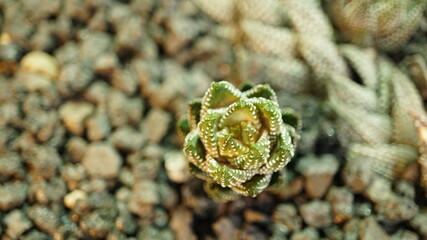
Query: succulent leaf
x=224, y=175
x=407, y=100
x=208, y=132
x=270, y=114
x=388, y=160
x=254, y=186
x=220, y=94
x=263, y=91
x=193, y=149
x=194, y=108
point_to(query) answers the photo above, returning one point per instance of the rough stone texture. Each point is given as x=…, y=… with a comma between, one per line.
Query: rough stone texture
x=225, y=229
x=357, y=176
x=176, y=166
x=156, y=124
x=318, y=173
x=287, y=215
x=98, y=126
x=369, y=229
x=341, y=200
x=44, y=219
x=101, y=159
x=40, y=62
x=128, y=139
x=17, y=223
x=10, y=166
x=43, y=161
x=418, y=223
x=306, y=234
x=181, y=222
x=404, y=234
x=76, y=146
x=316, y=213
x=13, y=195
x=145, y=194
x=71, y=198
x=73, y=114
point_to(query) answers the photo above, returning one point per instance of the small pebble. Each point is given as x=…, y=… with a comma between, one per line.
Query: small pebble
x=44, y=219
x=341, y=200
x=370, y=229
x=176, y=166
x=357, y=176
x=128, y=139
x=77, y=147
x=101, y=159
x=287, y=215
x=419, y=224
x=404, y=235
x=40, y=62
x=306, y=234
x=318, y=173
x=98, y=126
x=71, y=198
x=44, y=161
x=156, y=124
x=73, y=114
x=316, y=213
x=181, y=222
x=225, y=229
x=10, y=166
x=17, y=223
x=95, y=225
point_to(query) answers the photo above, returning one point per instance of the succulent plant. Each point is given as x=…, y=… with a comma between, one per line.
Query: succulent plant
x=238, y=141
x=385, y=24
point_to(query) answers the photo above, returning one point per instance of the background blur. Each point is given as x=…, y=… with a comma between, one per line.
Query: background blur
x=90, y=92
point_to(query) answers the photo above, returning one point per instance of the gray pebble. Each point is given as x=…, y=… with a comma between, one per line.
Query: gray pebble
x=17, y=223
x=76, y=147
x=44, y=219
x=125, y=222
x=35, y=235
x=128, y=139
x=73, y=174
x=95, y=226
x=181, y=221
x=287, y=215
x=176, y=166
x=101, y=159
x=97, y=93
x=404, y=235
x=98, y=126
x=43, y=161
x=156, y=124
x=341, y=200
x=73, y=78
x=370, y=229
x=45, y=192
x=10, y=166
x=150, y=232
x=117, y=103
x=73, y=114
x=143, y=167
x=308, y=233
x=419, y=224
x=106, y=63
x=316, y=213
x=396, y=209
x=225, y=229
x=357, y=176
x=318, y=173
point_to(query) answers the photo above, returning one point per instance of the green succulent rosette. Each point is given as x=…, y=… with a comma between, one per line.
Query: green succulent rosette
x=238, y=141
